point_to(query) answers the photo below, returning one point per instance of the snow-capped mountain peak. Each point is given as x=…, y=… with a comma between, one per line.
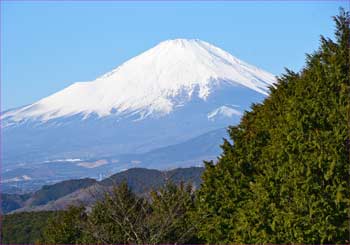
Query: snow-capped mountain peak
x=152, y=83
x=178, y=96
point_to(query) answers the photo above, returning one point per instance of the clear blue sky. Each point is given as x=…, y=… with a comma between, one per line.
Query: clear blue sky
x=46, y=46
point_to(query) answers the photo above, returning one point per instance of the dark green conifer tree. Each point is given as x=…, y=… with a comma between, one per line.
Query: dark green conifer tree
x=286, y=177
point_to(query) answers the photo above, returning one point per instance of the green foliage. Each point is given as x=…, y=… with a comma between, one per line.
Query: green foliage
x=65, y=228
x=118, y=218
x=286, y=177
x=171, y=219
x=24, y=228
x=124, y=218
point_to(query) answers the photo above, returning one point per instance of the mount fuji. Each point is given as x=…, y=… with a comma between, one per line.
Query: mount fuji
x=180, y=94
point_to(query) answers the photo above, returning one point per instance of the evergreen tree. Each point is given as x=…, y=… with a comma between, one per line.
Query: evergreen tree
x=121, y=217
x=171, y=221
x=24, y=227
x=286, y=177
x=66, y=227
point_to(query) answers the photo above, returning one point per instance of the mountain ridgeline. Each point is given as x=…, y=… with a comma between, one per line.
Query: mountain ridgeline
x=175, y=93
x=87, y=191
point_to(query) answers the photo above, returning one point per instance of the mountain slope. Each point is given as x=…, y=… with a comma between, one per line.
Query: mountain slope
x=155, y=82
x=177, y=91
x=185, y=154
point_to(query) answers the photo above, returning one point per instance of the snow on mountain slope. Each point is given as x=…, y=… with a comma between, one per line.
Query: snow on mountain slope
x=223, y=111
x=153, y=83
x=156, y=110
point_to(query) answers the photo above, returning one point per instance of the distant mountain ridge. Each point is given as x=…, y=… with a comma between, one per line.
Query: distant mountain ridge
x=86, y=191
x=185, y=154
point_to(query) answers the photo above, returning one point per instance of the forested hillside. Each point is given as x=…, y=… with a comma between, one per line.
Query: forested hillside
x=25, y=228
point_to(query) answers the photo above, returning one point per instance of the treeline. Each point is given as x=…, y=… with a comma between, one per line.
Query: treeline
x=286, y=178
x=162, y=216
x=124, y=218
